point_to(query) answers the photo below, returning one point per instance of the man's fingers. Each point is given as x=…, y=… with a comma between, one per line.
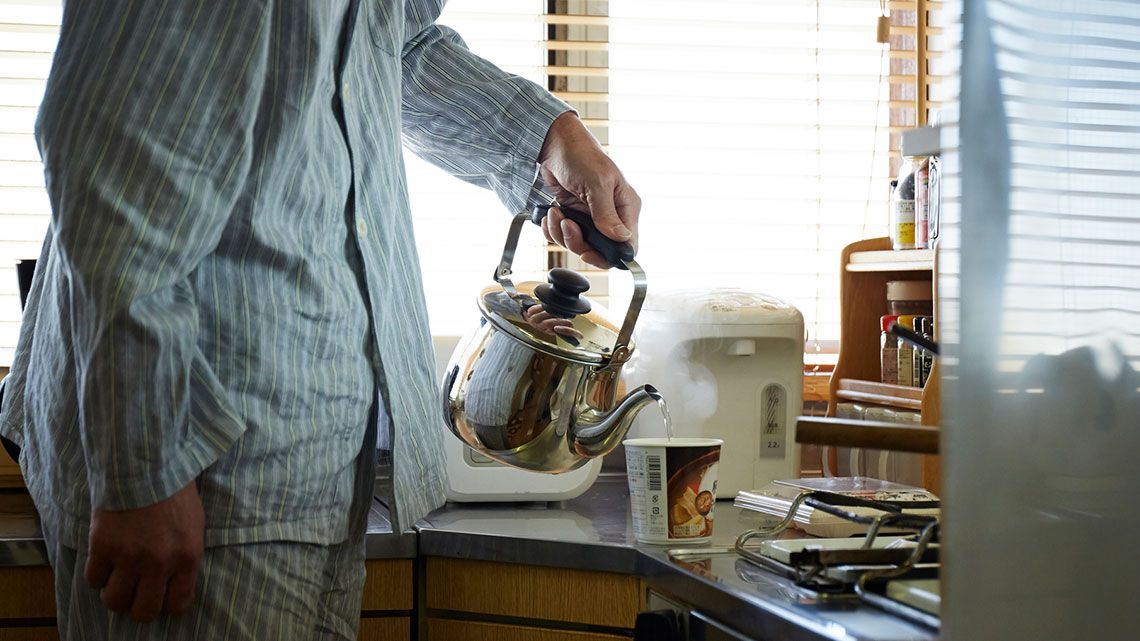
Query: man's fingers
x=97, y=570
x=605, y=215
x=552, y=225
x=572, y=237
x=150, y=594
x=119, y=593
x=628, y=205
x=180, y=591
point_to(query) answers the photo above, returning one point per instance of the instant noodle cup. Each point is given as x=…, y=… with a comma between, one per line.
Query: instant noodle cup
x=672, y=488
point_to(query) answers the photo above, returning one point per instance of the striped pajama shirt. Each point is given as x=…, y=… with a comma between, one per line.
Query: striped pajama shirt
x=230, y=277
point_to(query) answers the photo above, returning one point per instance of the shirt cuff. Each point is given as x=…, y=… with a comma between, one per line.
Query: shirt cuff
x=526, y=185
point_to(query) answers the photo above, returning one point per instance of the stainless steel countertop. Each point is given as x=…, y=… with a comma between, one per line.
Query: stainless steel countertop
x=592, y=532
x=595, y=532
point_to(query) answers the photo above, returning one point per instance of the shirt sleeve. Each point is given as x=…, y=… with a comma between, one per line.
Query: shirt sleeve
x=144, y=133
x=467, y=116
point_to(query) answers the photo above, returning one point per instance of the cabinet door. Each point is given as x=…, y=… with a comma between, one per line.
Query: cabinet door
x=388, y=602
x=27, y=598
x=27, y=593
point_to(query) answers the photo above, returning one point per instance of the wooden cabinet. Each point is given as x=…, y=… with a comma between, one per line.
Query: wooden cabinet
x=388, y=602
x=474, y=600
x=27, y=604
x=459, y=600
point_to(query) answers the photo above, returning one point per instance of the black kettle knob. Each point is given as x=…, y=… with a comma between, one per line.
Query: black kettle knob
x=560, y=296
x=658, y=625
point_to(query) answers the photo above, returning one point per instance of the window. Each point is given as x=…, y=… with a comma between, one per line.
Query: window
x=756, y=132
x=28, y=31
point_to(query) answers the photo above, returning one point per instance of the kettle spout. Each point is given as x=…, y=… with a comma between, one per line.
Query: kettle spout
x=597, y=434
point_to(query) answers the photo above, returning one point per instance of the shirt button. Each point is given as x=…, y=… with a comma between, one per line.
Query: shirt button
x=361, y=228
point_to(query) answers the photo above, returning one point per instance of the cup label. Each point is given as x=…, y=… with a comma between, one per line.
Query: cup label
x=691, y=474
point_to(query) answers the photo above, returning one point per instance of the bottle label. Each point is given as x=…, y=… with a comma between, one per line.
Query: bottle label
x=890, y=365
x=902, y=223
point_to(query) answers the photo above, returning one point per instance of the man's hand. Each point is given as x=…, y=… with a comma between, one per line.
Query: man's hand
x=577, y=171
x=146, y=560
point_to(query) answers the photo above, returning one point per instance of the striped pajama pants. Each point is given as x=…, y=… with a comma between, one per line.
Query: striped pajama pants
x=273, y=591
x=254, y=592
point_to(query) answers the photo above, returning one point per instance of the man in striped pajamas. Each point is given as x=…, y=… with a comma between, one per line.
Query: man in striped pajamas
x=228, y=301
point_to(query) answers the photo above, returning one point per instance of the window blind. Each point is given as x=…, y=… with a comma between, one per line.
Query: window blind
x=577, y=71
x=756, y=132
x=28, y=32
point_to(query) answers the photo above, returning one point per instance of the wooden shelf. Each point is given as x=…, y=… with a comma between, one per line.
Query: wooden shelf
x=890, y=260
x=900, y=396
x=865, y=268
x=867, y=434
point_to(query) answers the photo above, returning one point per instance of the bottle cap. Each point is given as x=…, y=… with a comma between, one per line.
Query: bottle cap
x=907, y=321
x=886, y=321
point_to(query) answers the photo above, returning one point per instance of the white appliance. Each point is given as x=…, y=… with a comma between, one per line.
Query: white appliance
x=472, y=477
x=730, y=365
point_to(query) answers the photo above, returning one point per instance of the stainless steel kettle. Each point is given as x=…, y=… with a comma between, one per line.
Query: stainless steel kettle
x=538, y=399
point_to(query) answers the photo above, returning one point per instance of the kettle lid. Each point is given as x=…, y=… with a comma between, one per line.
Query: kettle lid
x=589, y=335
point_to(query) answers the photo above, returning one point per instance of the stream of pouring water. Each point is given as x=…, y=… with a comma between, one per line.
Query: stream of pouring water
x=668, y=419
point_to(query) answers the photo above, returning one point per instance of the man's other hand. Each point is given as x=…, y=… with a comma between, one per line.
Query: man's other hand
x=145, y=561
x=577, y=171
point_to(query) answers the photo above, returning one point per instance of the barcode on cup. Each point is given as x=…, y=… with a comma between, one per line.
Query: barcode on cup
x=653, y=464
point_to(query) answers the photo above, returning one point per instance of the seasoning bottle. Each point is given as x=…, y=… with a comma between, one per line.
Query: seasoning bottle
x=922, y=203
x=915, y=297
x=888, y=352
x=905, y=354
x=902, y=208
x=927, y=357
x=934, y=198
x=917, y=353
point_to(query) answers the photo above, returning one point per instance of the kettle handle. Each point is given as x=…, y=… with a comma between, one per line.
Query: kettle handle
x=621, y=351
x=616, y=253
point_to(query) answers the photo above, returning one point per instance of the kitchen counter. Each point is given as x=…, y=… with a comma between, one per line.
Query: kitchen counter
x=593, y=532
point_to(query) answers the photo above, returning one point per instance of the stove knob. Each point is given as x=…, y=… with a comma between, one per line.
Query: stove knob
x=658, y=625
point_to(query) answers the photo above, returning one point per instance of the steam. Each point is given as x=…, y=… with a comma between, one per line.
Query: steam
x=665, y=358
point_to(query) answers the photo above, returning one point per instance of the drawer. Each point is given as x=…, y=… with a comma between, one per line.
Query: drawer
x=449, y=630
x=532, y=592
x=385, y=629
x=28, y=593
x=388, y=586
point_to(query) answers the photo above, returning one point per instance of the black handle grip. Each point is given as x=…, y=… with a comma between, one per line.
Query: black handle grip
x=617, y=254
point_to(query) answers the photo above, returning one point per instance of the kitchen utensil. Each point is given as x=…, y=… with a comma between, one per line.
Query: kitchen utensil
x=730, y=362
x=672, y=488
x=474, y=478
x=535, y=385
